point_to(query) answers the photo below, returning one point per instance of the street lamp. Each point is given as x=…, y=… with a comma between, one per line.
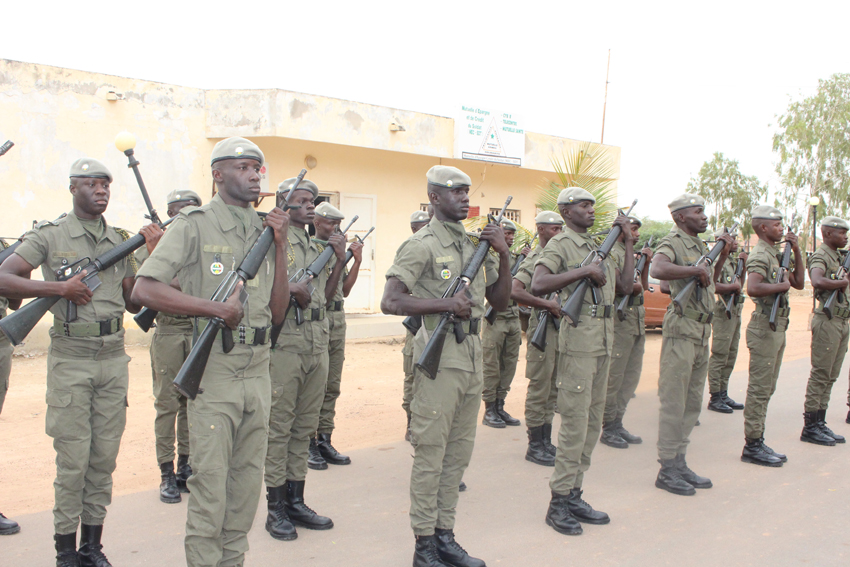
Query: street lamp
x=814, y=201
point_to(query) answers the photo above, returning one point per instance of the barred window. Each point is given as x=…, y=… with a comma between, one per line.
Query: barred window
x=510, y=214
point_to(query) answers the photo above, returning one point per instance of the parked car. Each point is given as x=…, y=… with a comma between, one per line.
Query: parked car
x=655, y=303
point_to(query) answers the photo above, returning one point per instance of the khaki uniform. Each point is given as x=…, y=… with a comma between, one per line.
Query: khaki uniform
x=829, y=336
x=725, y=335
x=228, y=421
x=299, y=370
x=684, y=350
x=627, y=354
x=541, y=368
x=407, y=366
x=87, y=374
x=336, y=354
x=585, y=354
x=444, y=411
x=5, y=349
x=501, y=342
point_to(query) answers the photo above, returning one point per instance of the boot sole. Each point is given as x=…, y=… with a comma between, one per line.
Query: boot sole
x=594, y=522
x=337, y=462
x=562, y=530
x=753, y=461
x=721, y=410
x=663, y=486
x=181, y=486
x=317, y=467
x=170, y=500
x=281, y=538
x=494, y=426
x=821, y=443
x=614, y=445
x=10, y=531
x=541, y=463
x=310, y=526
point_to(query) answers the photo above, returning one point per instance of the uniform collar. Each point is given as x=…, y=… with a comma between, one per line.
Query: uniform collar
x=225, y=218
x=580, y=239
x=447, y=232
x=763, y=244
x=833, y=254
x=76, y=230
x=693, y=241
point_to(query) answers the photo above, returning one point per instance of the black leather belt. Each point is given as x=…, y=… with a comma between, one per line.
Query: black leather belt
x=336, y=305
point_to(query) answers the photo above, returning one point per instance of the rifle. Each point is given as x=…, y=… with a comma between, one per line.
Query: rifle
x=684, y=296
x=780, y=275
x=429, y=361
x=733, y=299
x=628, y=300
x=538, y=340
x=188, y=379
x=20, y=323
x=349, y=254
x=490, y=315
x=7, y=145
x=833, y=295
x=571, y=309
x=306, y=275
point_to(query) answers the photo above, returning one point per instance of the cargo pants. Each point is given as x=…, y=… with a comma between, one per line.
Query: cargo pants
x=829, y=345
x=501, y=342
x=336, y=359
x=766, y=349
x=407, y=367
x=624, y=372
x=681, y=382
x=5, y=368
x=169, y=348
x=541, y=369
x=725, y=338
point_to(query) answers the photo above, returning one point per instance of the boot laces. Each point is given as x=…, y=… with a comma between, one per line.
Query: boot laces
x=279, y=512
x=455, y=545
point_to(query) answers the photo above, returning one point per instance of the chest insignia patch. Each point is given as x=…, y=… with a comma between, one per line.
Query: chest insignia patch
x=446, y=273
x=216, y=268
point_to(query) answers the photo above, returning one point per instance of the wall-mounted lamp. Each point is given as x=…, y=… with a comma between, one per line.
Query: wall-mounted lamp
x=311, y=162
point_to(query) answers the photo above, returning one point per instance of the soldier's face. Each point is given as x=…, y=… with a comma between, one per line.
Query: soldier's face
x=91, y=194
x=451, y=203
x=510, y=235
x=836, y=237
x=548, y=231
x=694, y=219
x=773, y=230
x=307, y=213
x=238, y=179
x=417, y=226
x=174, y=208
x=325, y=227
x=635, y=232
x=581, y=214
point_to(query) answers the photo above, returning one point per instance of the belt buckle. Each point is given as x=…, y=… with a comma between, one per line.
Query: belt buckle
x=242, y=334
x=259, y=336
x=67, y=328
x=105, y=328
x=593, y=309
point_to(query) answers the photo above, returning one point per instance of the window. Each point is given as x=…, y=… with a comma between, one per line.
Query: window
x=510, y=214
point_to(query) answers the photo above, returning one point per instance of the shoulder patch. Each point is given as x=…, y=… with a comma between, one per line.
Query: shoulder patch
x=51, y=223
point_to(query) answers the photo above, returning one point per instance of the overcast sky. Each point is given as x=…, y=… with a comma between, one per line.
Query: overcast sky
x=687, y=78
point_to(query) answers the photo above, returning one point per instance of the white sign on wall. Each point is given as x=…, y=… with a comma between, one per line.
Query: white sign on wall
x=486, y=135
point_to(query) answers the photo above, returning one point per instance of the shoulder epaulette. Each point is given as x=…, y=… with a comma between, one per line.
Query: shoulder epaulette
x=51, y=223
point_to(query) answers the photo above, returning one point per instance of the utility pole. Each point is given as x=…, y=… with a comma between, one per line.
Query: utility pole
x=605, y=104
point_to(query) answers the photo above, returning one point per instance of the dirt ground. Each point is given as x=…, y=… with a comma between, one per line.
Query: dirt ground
x=368, y=412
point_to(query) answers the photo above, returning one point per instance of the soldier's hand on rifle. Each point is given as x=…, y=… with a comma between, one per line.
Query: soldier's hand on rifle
x=233, y=308
x=152, y=233
x=625, y=225
x=75, y=290
x=356, y=250
x=301, y=292
x=526, y=251
x=646, y=250
x=637, y=288
x=792, y=238
x=279, y=221
x=496, y=236
x=595, y=272
x=784, y=285
x=735, y=287
x=703, y=272
x=744, y=256
x=554, y=308
x=731, y=245
x=461, y=303
x=337, y=242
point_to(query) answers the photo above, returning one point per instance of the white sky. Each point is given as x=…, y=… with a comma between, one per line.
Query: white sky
x=687, y=79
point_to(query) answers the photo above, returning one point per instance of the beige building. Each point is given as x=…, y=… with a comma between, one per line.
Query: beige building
x=369, y=160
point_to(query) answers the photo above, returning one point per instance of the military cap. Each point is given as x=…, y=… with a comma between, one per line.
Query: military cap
x=419, y=216
x=446, y=176
x=548, y=217
x=236, y=148
x=572, y=195
x=306, y=185
x=508, y=224
x=766, y=212
x=89, y=167
x=684, y=201
x=722, y=230
x=325, y=209
x=635, y=220
x=834, y=222
x=183, y=195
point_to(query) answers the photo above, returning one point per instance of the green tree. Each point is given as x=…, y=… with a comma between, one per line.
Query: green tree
x=729, y=194
x=653, y=228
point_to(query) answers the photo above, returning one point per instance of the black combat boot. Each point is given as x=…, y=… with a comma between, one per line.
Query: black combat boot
x=847, y=419
x=66, y=550
x=770, y=451
x=277, y=522
x=329, y=454
x=537, y=452
x=425, y=554
x=611, y=438
x=670, y=479
x=547, y=439
x=506, y=417
x=624, y=433
x=91, y=551
x=812, y=432
x=583, y=511
x=718, y=404
x=559, y=516
x=184, y=471
x=755, y=453
x=452, y=553
x=491, y=416
x=7, y=526
x=299, y=513
x=730, y=402
x=690, y=476
x=461, y=487
x=826, y=430
x=315, y=460
x=168, y=491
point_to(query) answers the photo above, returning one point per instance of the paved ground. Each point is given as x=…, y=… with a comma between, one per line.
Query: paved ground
x=796, y=515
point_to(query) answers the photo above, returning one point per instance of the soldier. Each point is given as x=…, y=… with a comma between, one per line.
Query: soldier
x=87, y=372
x=627, y=353
x=585, y=352
x=725, y=334
x=444, y=410
x=501, y=342
x=299, y=371
x=228, y=420
x=321, y=451
x=540, y=366
x=684, y=346
x=7, y=526
x=766, y=346
x=170, y=346
x=829, y=336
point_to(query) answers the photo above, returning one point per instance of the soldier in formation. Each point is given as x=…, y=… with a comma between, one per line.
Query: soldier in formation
x=7, y=526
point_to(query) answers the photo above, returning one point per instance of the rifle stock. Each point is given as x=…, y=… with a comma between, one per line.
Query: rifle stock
x=539, y=339
x=188, y=379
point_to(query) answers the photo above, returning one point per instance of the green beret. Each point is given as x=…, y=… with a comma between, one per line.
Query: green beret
x=508, y=224
x=89, y=167
x=723, y=230
x=549, y=217
x=766, y=212
x=572, y=195
x=419, y=216
x=305, y=184
x=185, y=195
x=325, y=209
x=834, y=222
x=446, y=176
x=684, y=201
x=635, y=220
x=236, y=148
